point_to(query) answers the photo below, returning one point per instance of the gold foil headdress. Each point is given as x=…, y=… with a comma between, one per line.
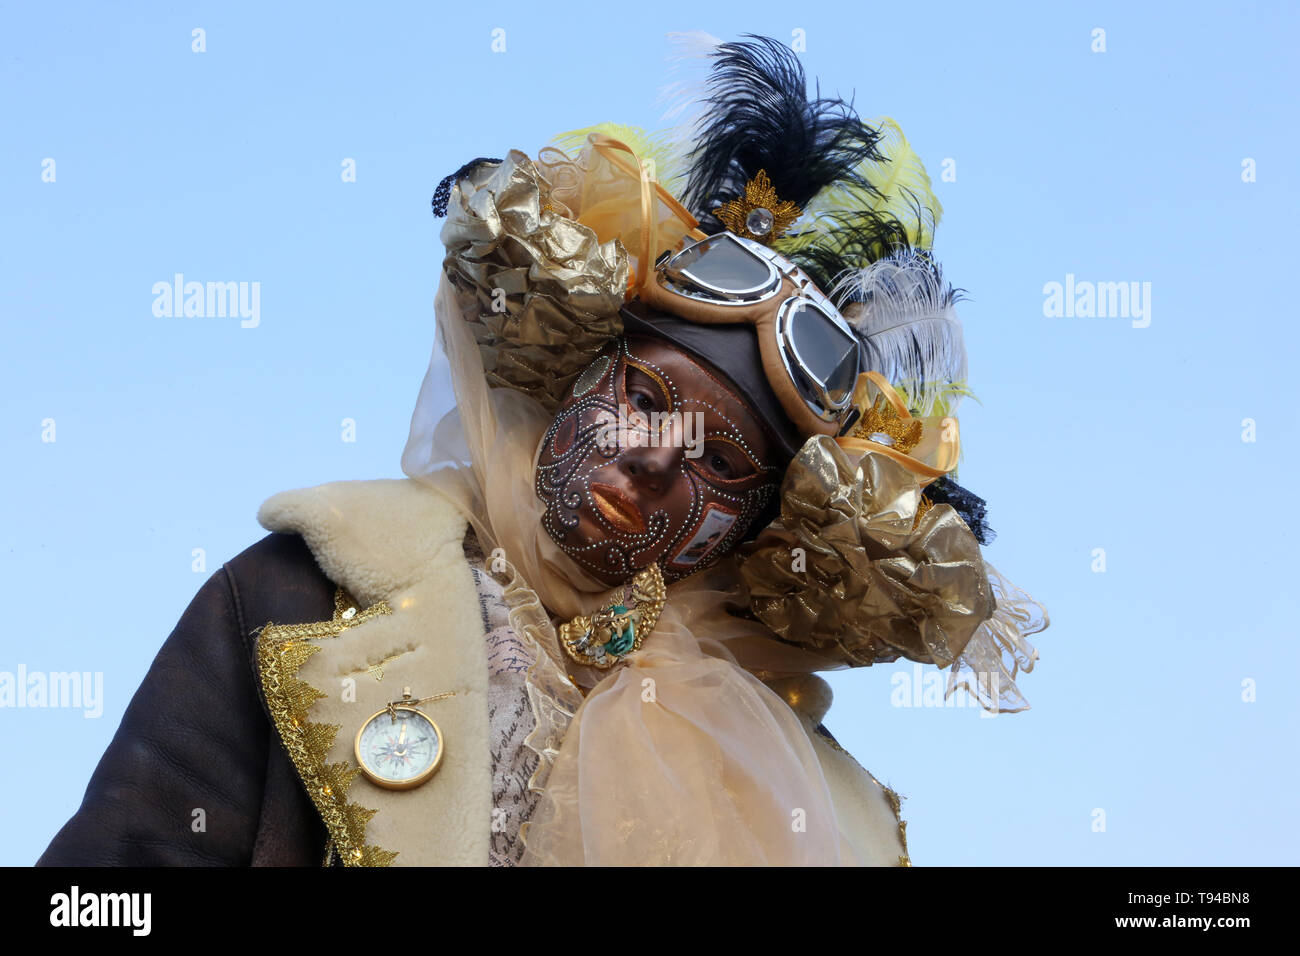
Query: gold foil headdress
x=544, y=254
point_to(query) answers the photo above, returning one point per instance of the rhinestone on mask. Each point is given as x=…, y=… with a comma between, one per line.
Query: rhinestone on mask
x=591, y=376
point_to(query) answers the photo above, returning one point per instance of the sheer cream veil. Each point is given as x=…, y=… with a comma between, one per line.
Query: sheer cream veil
x=679, y=756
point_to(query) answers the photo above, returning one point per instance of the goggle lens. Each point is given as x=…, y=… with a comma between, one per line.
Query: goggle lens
x=723, y=266
x=828, y=353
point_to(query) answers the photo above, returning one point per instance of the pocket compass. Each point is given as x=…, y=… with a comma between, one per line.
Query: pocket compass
x=400, y=747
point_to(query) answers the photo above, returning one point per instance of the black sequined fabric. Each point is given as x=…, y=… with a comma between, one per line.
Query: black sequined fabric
x=972, y=508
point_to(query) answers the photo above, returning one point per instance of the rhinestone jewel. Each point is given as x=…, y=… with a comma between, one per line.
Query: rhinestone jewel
x=760, y=213
x=760, y=221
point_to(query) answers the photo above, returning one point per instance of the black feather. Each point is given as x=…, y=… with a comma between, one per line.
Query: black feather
x=845, y=241
x=761, y=118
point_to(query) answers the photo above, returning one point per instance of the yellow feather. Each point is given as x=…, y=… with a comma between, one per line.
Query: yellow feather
x=946, y=398
x=657, y=146
x=902, y=181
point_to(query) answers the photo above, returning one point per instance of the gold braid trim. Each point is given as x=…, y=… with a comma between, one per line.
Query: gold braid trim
x=282, y=649
x=883, y=419
x=895, y=801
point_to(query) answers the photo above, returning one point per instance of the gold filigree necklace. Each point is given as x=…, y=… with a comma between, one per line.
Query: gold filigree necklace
x=606, y=637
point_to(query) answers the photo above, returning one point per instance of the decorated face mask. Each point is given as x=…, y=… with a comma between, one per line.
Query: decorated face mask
x=652, y=458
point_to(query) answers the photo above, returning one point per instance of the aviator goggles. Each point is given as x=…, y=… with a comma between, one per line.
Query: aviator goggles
x=811, y=356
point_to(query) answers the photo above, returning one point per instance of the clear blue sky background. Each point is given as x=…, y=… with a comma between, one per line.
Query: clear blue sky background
x=1116, y=166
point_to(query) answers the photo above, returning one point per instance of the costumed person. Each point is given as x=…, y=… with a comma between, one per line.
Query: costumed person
x=702, y=448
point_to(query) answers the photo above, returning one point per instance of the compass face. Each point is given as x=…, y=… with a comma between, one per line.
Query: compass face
x=399, y=753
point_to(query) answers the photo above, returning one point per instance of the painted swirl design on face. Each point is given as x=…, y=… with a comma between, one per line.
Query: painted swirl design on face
x=652, y=457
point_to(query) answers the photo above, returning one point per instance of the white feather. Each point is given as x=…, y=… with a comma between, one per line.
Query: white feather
x=683, y=96
x=906, y=314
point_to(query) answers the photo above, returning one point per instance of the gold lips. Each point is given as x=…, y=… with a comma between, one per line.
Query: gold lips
x=617, y=508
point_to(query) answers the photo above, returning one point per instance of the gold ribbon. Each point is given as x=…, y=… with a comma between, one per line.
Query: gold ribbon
x=939, y=455
x=610, y=148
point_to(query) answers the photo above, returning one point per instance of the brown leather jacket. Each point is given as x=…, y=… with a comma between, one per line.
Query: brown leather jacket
x=197, y=735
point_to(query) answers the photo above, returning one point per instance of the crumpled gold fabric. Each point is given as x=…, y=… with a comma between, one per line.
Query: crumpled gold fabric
x=543, y=291
x=850, y=571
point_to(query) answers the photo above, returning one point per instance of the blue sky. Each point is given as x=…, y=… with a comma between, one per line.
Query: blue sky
x=1117, y=166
